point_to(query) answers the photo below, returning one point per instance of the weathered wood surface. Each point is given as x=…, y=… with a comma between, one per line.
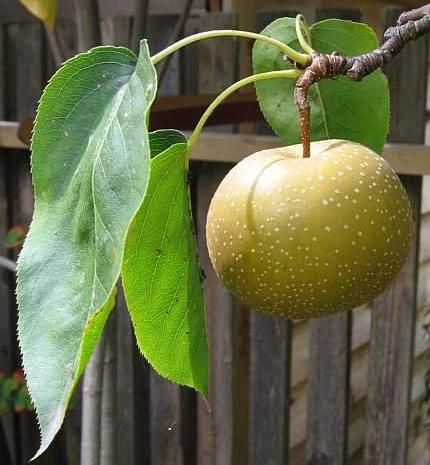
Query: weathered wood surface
x=424, y=248
x=2, y=73
x=329, y=365
x=166, y=406
x=159, y=33
x=270, y=361
x=145, y=413
x=215, y=433
x=404, y=158
x=14, y=11
x=425, y=204
x=7, y=318
x=328, y=390
x=393, y=319
x=270, y=364
x=358, y=381
x=133, y=393
x=25, y=42
x=205, y=70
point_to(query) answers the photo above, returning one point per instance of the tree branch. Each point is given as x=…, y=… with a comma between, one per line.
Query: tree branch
x=410, y=26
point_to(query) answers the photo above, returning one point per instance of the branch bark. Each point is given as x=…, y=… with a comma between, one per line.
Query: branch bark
x=410, y=26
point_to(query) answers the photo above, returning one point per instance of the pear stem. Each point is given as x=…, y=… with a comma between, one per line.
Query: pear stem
x=305, y=120
x=410, y=26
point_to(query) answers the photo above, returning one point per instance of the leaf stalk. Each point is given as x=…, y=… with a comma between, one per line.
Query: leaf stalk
x=285, y=74
x=297, y=57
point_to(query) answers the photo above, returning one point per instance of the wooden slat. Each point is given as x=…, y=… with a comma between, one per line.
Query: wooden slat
x=165, y=422
x=270, y=363
x=328, y=390
x=205, y=71
x=231, y=148
x=72, y=428
x=241, y=385
x=425, y=205
x=133, y=414
x=9, y=138
x=215, y=445
x=218, y=69
x=357, y=425
x=133, y=392
x=165, y=397
x=160, y=29
x=14, y=202
x=2, y=73
x=7, y=319
x=425, y=238
x=393, y=319
x=183, y=112
x=25, y=42
x=329, y=365
x=13, y=11
x=270, y=390
x=126, y=385
x=116, y=31
x=210, y=67
x=423, y=297
x=408, y=159
x=359, y=370
x=340, y=13
x=403, y=158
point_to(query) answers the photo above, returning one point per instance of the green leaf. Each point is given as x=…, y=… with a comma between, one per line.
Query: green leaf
x=90, y=166
x=161, y=274
x=161, y=140
x=340, y=108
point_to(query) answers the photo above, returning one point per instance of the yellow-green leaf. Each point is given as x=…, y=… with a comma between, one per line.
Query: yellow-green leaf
x=45, y=10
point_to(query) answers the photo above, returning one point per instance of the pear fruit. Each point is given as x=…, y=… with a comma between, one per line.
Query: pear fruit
x=307, y=237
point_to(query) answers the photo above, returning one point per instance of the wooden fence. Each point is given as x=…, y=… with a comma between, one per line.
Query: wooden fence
x=341, y=390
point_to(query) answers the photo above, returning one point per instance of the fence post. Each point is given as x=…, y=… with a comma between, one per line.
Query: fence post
x=209, y=68
x=329, y=366
x=270, y=360
x=215, y=428
x=394, y=312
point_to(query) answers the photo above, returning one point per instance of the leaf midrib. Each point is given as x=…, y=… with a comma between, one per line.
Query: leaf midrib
x=119, y=96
